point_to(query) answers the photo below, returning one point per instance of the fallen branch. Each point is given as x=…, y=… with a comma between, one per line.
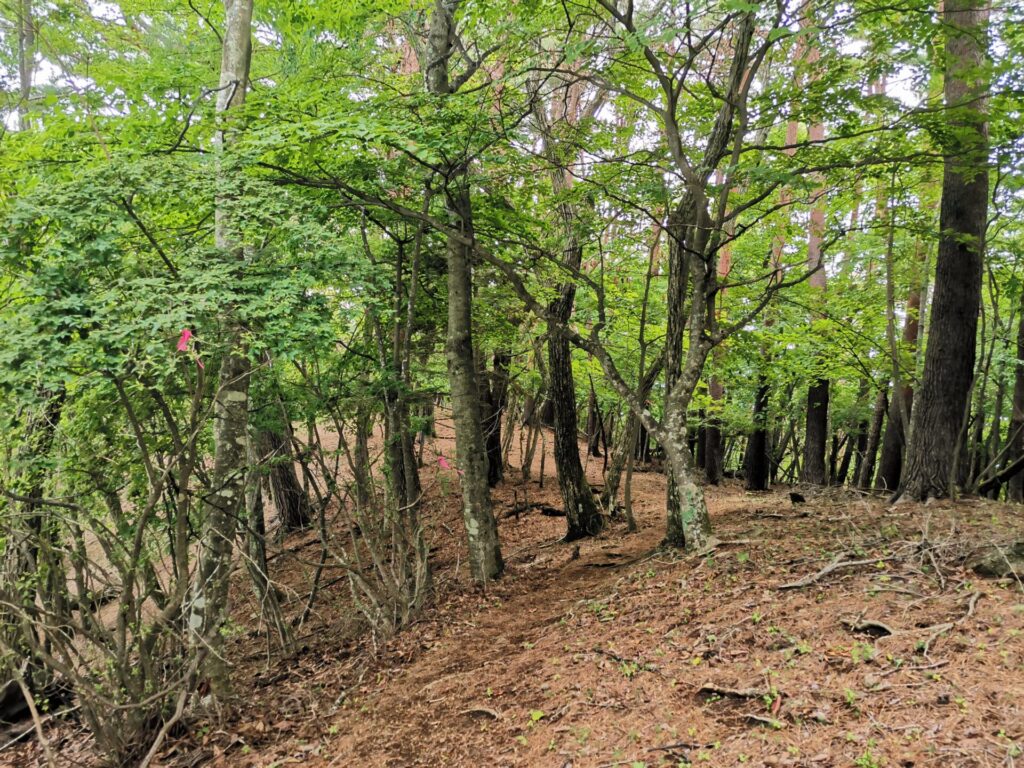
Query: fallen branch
x=837, y=564
x=733, y=693
x=869, y=626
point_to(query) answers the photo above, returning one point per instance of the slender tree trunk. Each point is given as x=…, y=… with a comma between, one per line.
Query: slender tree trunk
x=949, y=357
x=894, y=441
x=26, y=60
x=713, y=456
x=485, y=561
x=852, y=442
x=1015, y=489
x=756, y=460
x=225, y=501
x=816, y=434
x=627, y=446
x=256, y=560
x=874, y=433
x=594, y=426
x=583, y=518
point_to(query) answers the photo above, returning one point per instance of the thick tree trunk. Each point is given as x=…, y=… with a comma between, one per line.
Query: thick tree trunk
x=290, y=500
x=949, y=357
x=485, y=561
x=497, y=402
x=816, y=434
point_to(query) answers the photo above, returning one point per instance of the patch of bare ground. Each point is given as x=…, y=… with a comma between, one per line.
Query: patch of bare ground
x=839, y=632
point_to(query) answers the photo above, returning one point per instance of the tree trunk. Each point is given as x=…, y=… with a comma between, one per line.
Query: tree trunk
x=224, y=503
x=867, y=465
x=713, y=438
x=485, y=561
x=756, y=460
x=816, y=434
x=583, y=518
x=627, y=446
x=497, y=402
x=289, y=499
x=1015, y=489
x=26, y=60
x=949, y=357
x=844, y=465
x=594, y=425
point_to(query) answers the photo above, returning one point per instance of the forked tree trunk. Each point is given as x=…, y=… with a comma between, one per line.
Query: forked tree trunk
x=949, y=357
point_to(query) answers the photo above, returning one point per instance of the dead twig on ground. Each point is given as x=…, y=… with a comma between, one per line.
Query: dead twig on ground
x=837, y=564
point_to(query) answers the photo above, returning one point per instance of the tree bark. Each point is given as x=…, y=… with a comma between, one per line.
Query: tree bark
x=1015, y=489
x=224, y=503
x=497, y=402
x=756, y=460
x=874, y=433
x=816, y=434
x=583, y=518
x=290, y=500
x=485, y=561
x=937, y=420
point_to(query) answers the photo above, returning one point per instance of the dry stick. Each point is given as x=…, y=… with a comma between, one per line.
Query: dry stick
x=179, y=710
x=735, y=693
x=37, y=722
x=837, y=564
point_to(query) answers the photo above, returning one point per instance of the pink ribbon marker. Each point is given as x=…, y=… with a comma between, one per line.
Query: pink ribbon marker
x=183, y=345
x=444, y=463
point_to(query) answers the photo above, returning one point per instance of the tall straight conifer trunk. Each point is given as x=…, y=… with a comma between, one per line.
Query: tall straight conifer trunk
x=942, y=398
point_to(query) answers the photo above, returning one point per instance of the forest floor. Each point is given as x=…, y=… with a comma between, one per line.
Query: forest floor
x=619, y=654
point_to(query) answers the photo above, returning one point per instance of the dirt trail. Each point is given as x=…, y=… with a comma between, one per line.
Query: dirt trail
x=622, y=655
